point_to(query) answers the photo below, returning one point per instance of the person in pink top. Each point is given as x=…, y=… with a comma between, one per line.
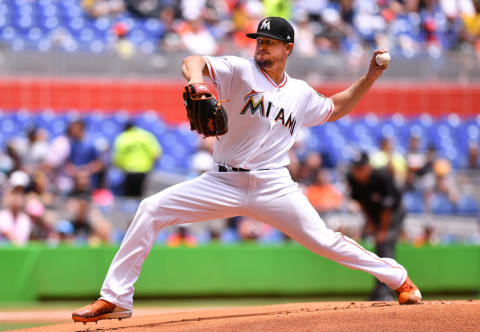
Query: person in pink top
x=15, y=224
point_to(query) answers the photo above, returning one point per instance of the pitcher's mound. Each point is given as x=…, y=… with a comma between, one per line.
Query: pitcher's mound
x=298, y=317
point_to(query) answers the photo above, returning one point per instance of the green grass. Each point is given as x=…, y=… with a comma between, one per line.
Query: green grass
x=22, y=325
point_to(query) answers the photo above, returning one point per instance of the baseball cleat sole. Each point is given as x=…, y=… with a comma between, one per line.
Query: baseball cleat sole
x=111, y=315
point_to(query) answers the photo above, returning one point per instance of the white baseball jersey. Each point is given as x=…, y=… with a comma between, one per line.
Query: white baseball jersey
x=273, y=114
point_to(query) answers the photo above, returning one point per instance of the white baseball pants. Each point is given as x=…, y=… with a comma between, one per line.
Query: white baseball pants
x=270, y=196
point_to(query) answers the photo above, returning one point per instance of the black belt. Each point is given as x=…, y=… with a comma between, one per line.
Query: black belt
x=222, y=168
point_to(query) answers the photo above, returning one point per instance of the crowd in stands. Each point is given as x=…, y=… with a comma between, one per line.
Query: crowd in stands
x=55, y=190
x=405, y=27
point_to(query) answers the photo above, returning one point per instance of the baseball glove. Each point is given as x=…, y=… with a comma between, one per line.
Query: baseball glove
x=206, y=114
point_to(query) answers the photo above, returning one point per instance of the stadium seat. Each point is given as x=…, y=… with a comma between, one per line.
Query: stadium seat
x=468, y=206
x=442, y=205
x=114, y=180
x=413, y=201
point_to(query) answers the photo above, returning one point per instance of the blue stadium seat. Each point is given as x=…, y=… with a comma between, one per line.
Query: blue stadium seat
x=152, y=122
x=8, y=127
x=114, y=180
x=167, y=163
x=27, y=25
x=468, y=205
x=275, y=236
x=442, y=205
x=413, y=201
x=111, y=129
x=229, y=235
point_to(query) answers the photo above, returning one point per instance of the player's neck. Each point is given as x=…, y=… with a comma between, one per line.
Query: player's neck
x=277, y=75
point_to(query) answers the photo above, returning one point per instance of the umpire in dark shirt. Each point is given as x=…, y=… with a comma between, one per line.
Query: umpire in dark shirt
x=381, y=202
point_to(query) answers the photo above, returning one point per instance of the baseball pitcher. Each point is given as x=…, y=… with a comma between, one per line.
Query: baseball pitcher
x=262, y=113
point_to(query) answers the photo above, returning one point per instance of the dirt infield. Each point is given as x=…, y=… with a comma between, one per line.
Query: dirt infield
x=324, y=316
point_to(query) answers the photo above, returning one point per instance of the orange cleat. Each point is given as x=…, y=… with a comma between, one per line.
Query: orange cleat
x=409, y=293
x=99, y=310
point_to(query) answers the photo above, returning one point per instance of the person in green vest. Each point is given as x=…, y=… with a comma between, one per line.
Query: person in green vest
x=135, y=152
x=282, y=8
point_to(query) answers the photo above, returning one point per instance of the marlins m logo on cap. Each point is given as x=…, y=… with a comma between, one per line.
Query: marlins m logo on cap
x=265, y=24
x=274, y=27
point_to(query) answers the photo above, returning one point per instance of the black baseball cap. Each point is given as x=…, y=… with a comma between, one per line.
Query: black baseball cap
x=360, y=158
x=274, y=27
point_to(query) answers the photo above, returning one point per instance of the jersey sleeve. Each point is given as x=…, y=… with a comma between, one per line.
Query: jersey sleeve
x=221, y=71
x=319, y=108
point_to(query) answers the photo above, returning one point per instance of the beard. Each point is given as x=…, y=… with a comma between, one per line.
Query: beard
x=263, y=63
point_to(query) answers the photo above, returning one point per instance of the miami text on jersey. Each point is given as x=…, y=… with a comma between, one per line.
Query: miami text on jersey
x=253, y=106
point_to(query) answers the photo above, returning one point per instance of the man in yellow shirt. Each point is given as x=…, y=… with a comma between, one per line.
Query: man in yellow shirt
x=135, y=152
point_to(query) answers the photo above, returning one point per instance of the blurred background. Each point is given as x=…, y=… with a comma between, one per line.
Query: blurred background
x=92, y=120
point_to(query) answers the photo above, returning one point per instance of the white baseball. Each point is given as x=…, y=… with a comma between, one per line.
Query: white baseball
x=382, y=59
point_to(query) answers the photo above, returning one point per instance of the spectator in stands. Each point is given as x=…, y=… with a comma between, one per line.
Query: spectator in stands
x=472, y=26
x=322, y=194
x=81, y=185
x=196, y=38
x=57, y=158
x=380, y=200
x=169, y=40
x=39, y=188
x=40, y=205
x=415, y=156
x=332, y=32
x=147, y=8
x=420, y=175
x=83, y=156
x=430, y=159
x=308, y=168
x=245, y=18
x=388, y=158
x=11, y=160
x=473, y=162
x=441, y=183
x=250, y=229
x=415, y=162
x=427, y=238
x=87, y=222
x=306, y=37
x=123, y=46
x=135, y=153
x=42, y=230
x=99, y=8
x=59, y=150
x=36, y=151
x=15, y=224
x=282, y=8
x=181, y=237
